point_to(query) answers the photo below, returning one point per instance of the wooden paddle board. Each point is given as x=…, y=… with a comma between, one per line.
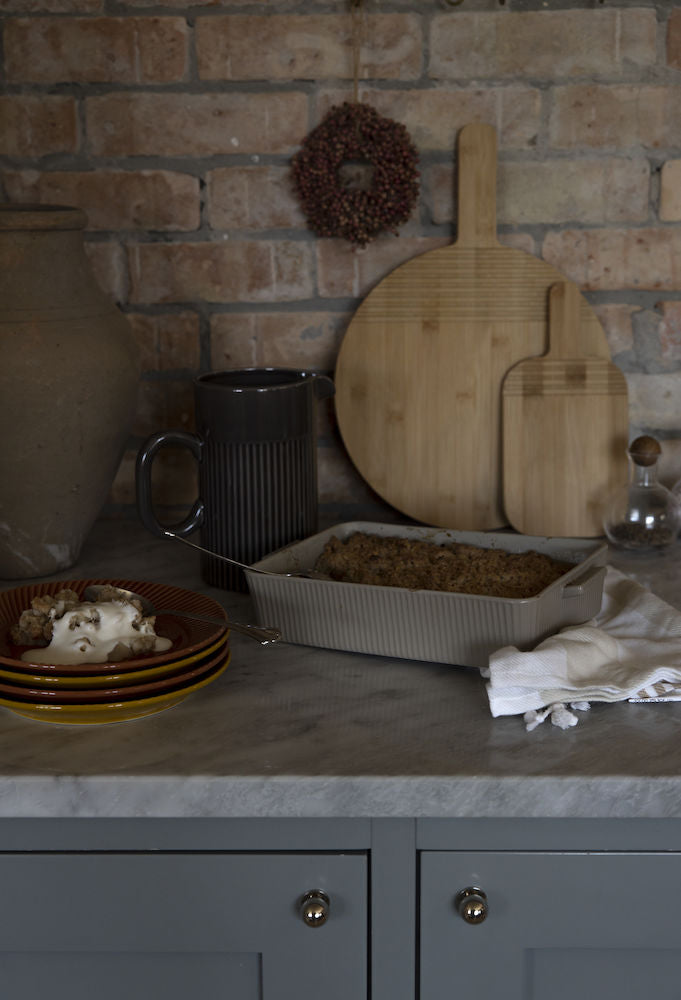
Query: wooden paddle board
x=565, y=431
x=419, y=371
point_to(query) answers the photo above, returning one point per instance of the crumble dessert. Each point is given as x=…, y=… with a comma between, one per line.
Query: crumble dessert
x=421, y=565
x=67, y=630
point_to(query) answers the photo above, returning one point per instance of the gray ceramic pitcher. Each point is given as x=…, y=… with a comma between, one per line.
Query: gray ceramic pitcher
x=256, y=448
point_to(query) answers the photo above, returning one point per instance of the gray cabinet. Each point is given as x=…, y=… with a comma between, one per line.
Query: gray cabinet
x=559, y=924
x=179, y=925
x=207, y=908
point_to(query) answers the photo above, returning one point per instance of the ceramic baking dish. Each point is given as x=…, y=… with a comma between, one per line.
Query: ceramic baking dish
x=460, y=629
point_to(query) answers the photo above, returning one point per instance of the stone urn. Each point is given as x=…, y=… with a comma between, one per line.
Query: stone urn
x=69, y=369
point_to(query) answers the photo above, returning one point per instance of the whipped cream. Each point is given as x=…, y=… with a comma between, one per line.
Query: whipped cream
x=90, y=633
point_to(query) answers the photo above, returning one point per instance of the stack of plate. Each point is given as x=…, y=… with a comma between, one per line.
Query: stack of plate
x=88, y=693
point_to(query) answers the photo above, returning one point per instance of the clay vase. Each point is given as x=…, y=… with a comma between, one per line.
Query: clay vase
x=69, y=369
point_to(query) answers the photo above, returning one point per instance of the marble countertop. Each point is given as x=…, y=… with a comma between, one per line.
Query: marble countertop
x=294, y=731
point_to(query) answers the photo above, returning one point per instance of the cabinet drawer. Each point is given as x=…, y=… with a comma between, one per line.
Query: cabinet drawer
x=557, y=925
x=180, y=925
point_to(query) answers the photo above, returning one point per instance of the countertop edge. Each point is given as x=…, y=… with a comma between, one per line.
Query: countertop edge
x=295, y=796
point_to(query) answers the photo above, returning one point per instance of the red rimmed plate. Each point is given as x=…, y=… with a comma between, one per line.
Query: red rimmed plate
x=187, y=635
x=122, y=693
x=93, y=682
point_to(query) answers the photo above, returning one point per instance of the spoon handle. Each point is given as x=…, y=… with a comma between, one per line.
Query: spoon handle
x=310, y=574
x=216, y=555
x=263, y=634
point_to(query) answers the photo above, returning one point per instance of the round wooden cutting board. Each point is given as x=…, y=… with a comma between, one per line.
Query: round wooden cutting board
x=420, y=369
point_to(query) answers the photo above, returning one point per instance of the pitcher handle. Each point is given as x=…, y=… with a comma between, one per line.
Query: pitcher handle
x=323, y=387
x=143, y=467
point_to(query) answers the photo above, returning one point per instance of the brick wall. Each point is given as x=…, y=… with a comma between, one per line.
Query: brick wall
x=173, y=123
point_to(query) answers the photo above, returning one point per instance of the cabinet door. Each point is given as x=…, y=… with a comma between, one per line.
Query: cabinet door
x=178, y=926
x=558, y=926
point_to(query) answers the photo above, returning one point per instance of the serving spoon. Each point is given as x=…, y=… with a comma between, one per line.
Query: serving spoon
x=304, y=574
x=264, y=634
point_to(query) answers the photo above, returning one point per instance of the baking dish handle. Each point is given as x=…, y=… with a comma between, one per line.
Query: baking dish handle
x=575, y=588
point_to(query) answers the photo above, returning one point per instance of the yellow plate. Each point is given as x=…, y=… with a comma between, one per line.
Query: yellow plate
x=103, y=680
x=123, y=711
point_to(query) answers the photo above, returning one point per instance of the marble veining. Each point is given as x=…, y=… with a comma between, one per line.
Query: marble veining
x=294, y=731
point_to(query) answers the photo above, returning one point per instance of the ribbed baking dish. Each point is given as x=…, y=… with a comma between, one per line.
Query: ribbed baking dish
x=461, y=629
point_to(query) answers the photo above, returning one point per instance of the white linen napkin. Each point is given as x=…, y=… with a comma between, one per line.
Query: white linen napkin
x=630, y=651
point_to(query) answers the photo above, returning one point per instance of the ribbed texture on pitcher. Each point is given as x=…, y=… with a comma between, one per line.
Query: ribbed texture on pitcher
x=266, y=494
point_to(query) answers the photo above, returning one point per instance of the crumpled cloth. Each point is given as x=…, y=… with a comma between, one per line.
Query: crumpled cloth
x=630, y=651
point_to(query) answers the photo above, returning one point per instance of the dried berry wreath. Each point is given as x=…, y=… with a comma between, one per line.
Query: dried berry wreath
x=356, y=132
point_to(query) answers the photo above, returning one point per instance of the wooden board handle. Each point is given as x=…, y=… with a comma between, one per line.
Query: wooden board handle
x=477, y=186
x=564, y=321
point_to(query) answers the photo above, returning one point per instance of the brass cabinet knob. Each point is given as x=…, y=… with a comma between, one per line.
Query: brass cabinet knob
x=314, y=908
x=472, y=905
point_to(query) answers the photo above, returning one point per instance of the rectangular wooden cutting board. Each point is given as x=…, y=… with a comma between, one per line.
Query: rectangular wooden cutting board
x=565, y=431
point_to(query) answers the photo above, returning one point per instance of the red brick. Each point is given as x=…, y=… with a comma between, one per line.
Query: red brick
x=654, y=401
x=252, y=198
x=669, y=467
x=617, y=258
x=346, y=272
x=110, y=269
x=96, y=50
x=298, y=339
x=167, y=342
x=233, y=342
x=610, y=190
x=116, y=199
x=434, y=117
x=674, y=39
x=139, y=124
x=173, y=481
x=670, y=331
x=173, y=4
x=234, y=271
x=615, y=318
x=542, y=44
x=550, y=191
x=307, y=47
x=210, y=3
x=52, y=6
x=595, y=116
x=38, y=126
x=519, y=241
x=670, y=191
x=166, y=405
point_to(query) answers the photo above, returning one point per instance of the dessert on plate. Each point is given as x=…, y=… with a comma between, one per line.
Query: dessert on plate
x=61, y=628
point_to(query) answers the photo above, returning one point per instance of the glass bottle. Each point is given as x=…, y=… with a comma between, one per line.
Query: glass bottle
x=644, y=514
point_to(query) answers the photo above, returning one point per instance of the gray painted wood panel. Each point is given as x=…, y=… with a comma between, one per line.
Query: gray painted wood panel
x=178, y=925
x=393, y=909
x=559, y=925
